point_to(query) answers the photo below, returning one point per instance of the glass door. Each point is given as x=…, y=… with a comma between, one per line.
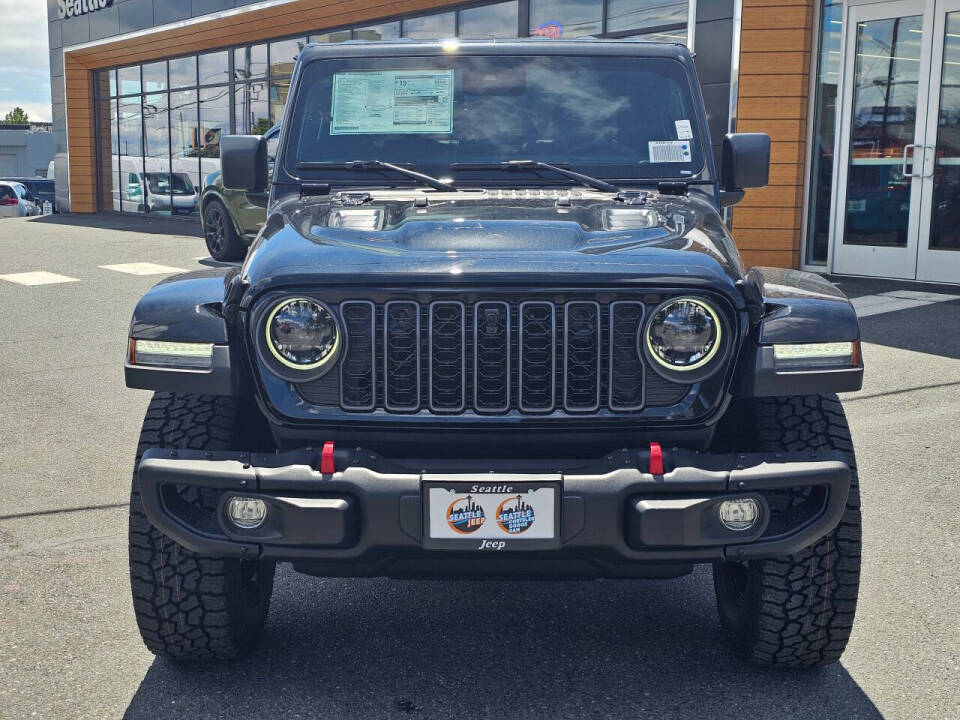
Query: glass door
x=939, y=252
x=878, y=181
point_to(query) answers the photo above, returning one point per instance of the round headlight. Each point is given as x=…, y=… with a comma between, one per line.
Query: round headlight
x=302, y=334
x=684, y=334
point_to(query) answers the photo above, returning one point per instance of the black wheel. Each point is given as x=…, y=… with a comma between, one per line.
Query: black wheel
x=188, y=606
x=796, y=611
x=223, y=243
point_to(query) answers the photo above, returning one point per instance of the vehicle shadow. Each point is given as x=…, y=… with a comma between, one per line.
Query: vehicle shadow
x=188, y=226
x=407, y=649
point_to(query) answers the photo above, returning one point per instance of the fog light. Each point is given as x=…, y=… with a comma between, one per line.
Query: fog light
x=247, y=513
x=739, y=514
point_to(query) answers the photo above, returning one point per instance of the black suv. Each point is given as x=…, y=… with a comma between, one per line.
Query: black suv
x=494, y=326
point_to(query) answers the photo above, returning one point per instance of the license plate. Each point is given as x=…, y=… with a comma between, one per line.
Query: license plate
x=491, y=512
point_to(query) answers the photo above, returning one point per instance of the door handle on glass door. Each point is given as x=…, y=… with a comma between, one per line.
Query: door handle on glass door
x=906, y=151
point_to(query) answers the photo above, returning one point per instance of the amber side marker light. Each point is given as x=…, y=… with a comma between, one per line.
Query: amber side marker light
x=817, y=356
x=161, y=353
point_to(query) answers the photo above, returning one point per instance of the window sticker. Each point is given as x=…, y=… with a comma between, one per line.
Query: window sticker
x=392, y=101
x=669, y=151
x=684, y=130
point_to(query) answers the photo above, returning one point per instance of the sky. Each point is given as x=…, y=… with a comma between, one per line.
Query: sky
x=24, y=58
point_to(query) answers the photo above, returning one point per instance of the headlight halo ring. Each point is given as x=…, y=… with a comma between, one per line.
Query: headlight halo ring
x=317, y=368
x=702, y=368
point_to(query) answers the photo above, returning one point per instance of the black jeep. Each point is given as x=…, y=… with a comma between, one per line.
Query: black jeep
x=494, y=326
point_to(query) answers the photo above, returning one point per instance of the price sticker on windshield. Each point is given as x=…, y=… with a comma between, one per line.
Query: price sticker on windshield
x=391, y=102
x=670, y=151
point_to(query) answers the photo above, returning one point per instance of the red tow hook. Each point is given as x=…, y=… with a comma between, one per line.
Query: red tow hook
x=656, y=459
x=327, y=466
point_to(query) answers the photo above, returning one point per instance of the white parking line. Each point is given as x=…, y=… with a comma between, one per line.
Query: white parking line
x=143, y=268
x=38, y=277
x=894, y=300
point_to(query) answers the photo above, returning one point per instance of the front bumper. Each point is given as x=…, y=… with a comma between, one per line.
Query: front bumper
x=615, y=517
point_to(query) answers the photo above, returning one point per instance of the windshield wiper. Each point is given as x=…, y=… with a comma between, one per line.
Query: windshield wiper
x=592, y=182
x=380, y=165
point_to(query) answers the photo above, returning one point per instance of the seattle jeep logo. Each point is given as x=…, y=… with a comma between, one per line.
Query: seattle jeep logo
x=72, y=8
x=514, y=515
x=465, y=516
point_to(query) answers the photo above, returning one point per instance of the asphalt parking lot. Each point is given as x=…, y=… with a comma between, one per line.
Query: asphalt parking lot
x=69, y=647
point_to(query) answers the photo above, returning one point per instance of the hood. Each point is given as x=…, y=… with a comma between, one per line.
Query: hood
x=493, y=237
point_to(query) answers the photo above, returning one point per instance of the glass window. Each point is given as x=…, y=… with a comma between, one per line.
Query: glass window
x=156, y=137
x=250, y=62
x=185, y=135
x=251, y=109
x=107, y=139
x=214, y=68
x=284, y=54
x=279, y=89
x=824, y=132
x=430, y=27
x=113, y=82
x=489, y=21
x=155, y=77
x=129, y=80
x=641, y=14
x=335, y=36
x=386, y=31
x=183, y=72
x=566, y=18
x=214, y=122
x=678, y=35
x=131, y=155
x=592, y=113
x=944, y=226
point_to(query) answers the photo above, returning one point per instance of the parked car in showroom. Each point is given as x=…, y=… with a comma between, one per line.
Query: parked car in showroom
x=495, y=327
x=16, y=200
x=232, y=218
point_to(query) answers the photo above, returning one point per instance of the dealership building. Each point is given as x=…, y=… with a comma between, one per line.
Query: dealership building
x=860, y=98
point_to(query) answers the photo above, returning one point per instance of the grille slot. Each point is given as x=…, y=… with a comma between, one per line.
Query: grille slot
x=491, y=358
x=538, y=356
x=448, y=353
x=401, y=356
x=357, y=382
x=581, y=356
x=627, y=374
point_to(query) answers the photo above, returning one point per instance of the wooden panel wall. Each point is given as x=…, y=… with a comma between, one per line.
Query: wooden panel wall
x=774, y=86
x=302, y=16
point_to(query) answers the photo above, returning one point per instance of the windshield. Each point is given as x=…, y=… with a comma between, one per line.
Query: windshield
x=609, y=117
x=163, y=183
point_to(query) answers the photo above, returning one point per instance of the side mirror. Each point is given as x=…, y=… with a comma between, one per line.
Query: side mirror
x=243, y=162
x=745, y=161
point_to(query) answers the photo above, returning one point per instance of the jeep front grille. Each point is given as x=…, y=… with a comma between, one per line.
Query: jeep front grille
x=492, y=356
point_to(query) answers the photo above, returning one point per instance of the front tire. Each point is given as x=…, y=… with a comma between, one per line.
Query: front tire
x=795, y=611
x=223, y=242
x=190, y=606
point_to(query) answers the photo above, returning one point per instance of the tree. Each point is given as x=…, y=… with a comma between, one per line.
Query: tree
x=17, y=116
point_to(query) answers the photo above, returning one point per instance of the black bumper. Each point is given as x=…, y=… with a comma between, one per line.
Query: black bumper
x=619, y=521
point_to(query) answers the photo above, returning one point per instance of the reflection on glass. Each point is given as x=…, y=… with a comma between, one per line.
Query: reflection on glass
x=279, y=90
x=250, y=62
x=214, y=68
x=385, y=31
x=677, y=35
x=185, y=135
x=128, y=80
x=156, y=137
x=155, y=77
x=824, y=132
x=945, y=221
x=131, y=155
x=489, y=21
x=183, y=72
x=430, y=27
x=284, y=54
x=885, y=83
x=639, y=14
x=214, y=122
x=565, y=18
x=113, y=82
x=335, y=36
x=106, y=147
x=250, y=108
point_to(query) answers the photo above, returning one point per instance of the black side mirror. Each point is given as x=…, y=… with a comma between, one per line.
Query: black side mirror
x=745, y=161
x=243, y=162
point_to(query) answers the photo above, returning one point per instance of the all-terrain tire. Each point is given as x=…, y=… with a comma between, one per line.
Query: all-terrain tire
x=189, y=606
x=223, y=242
x=796, y=611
